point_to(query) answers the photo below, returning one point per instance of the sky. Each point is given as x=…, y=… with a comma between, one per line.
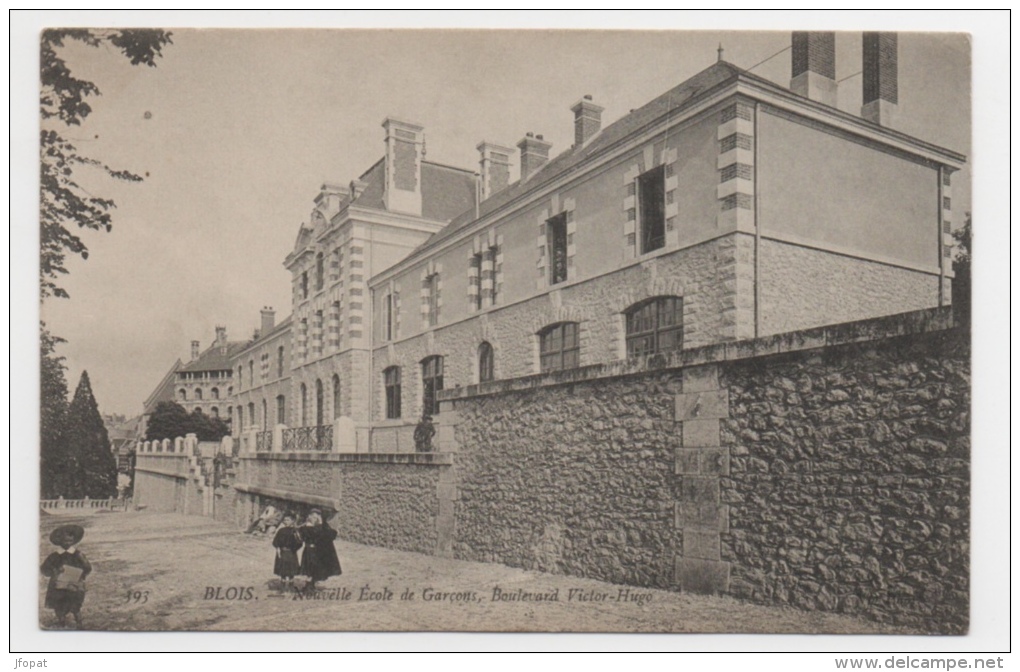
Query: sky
x=235, y=130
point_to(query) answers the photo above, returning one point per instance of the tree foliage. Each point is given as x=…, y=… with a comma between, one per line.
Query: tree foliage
x=91, y=470
x=962, y=272
x=64, y=205
x=170, y=420
x=53, y=412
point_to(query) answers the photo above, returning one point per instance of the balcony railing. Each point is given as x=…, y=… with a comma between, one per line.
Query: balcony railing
x=264, y=442
x=308, y=439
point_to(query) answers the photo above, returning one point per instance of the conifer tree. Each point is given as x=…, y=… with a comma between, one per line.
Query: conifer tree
x=89, y=445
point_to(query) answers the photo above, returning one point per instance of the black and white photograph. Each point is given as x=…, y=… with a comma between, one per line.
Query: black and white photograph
x=485, y=330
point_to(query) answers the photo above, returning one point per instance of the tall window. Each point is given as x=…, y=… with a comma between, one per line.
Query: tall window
x=318, y=402
x=432, y=296
x=215, y=392
x=198, y=394
x=215, y=412
x=336, y=396
x=559, y=346
x=476, y=280
x=304, y=405
x=304, y=285
x=251, y=371
x=265, y=416
x=655, y=325
x=432, y=383
x=251, y=414
x=182, y=395
x=279, y=362
x=652, y=208
x=391, y=381
x=388, y=317
x=240, y=370
x=491, y=257
x=486, y=361
x=556, y=237
x=320, y=271
x=281, y=409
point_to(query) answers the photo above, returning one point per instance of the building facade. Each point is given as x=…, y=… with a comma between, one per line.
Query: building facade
x=205, y=382
x=715, y=212
x=261, y=377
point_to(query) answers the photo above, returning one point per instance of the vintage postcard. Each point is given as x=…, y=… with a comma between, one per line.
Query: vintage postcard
x=505, y=331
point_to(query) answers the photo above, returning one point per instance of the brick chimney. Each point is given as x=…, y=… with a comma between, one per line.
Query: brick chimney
x=268, y=320
x=587, y=119
x=534, y=154
x=495, y=164
x=881, y=88
x=221, y=336
x=814, y=66
x=404, y=152
x=195, y=345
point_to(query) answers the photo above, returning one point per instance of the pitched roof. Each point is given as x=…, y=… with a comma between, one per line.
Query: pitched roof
x=215, y=358
x=673, y=100
x=446, y=191
x=164, y=391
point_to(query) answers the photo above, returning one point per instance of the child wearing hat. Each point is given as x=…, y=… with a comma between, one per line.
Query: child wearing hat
x=287, y=542
x=67, y=570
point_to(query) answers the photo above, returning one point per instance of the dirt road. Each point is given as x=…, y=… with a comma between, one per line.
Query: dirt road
x=171, y=572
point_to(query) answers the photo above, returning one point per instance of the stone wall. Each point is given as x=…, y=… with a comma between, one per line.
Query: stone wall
x=825, y=469
x=849, y=479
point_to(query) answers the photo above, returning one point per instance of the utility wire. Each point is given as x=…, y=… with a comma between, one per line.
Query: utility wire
x=850, y=76
x=769, y=58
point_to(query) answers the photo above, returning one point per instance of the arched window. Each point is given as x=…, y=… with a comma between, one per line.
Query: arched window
x=336, y=396
x=230, y=417
x=265, y=416
x=486, y=362
x=251, y=414
x=198, y=394
x=214, y=393
x=182, y=394
x=655, y=325
x=391, y=381
x=240, y=378
x=279, y=362
x=304, y=405
x=251, y=372
x=215, y=411
x=559, y=346
x=281, y=409
x=320, y=278
x=318, y=402
x=230, y=391
x=432, y=383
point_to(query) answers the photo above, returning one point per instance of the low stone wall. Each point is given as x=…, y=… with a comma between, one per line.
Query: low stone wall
x=826, y=469
x=400, y=501
x=165, y=483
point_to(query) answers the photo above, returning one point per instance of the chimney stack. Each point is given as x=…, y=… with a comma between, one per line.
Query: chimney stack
x=195, y=345
x=814, y=66
x=534, y=154
x=221, y=336
x=587, y=120
x=268, y=320
x=495, y=164
x=881, y=88
x=405, y=148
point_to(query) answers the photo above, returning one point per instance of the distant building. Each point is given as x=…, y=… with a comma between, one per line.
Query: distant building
x=205, y=383
x=164, y=391
x=262, y=377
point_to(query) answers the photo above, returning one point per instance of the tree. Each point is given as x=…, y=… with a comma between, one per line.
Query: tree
x=170, y=420
x=88, y=444
x=54, y=460
x=962, y=272
x=64, y=204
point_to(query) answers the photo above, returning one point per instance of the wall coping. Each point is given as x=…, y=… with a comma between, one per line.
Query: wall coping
x=427, y=459
x=873, y=329
x=290, y=495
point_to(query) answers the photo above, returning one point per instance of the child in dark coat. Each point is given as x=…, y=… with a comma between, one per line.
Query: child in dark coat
x=67, y=570
x=319, y=560
x=287, y=543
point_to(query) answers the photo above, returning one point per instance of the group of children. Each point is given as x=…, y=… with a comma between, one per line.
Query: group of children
x=318, y=560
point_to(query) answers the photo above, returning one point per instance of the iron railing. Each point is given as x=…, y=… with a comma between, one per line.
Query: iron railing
x=264, y=442
x=317, y=438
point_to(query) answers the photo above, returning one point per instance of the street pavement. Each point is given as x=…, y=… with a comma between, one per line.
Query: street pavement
x=168, y=572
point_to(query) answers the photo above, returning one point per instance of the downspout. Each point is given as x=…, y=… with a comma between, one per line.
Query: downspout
x=757, y=229
x=941, y=247
x=370, y=336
